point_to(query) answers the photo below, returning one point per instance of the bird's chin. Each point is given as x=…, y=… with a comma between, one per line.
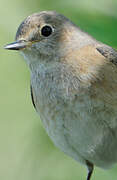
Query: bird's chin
x=26, y=53
x=30, y=54
x=38, y=51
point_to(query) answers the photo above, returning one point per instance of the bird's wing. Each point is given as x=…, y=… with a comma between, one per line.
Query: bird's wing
x=96, y=67
x=96, y=109
x=108, y=52
x=94, y=61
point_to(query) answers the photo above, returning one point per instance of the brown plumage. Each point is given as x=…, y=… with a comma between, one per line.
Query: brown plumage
x=73, y=87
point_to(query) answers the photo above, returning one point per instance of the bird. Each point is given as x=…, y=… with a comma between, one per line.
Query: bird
x=73, y=87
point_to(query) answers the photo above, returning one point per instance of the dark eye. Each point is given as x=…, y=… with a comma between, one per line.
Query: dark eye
x=46, y=31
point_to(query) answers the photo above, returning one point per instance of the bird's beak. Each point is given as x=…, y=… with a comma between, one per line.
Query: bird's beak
x=17, y=45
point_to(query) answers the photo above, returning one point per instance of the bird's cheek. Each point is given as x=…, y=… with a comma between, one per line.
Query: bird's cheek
x=35, y=45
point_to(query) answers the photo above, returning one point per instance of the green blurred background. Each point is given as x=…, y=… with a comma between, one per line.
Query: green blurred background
x=26, y=152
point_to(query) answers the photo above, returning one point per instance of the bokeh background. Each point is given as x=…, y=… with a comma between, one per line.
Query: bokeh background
x=26, y=152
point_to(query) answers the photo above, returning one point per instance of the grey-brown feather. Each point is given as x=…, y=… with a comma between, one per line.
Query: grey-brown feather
x=74, y=88
x=109, y=53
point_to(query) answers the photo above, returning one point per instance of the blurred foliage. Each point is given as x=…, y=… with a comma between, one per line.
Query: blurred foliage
x=26, y=152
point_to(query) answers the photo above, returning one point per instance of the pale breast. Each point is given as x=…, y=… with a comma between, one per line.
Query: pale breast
x=78, y=120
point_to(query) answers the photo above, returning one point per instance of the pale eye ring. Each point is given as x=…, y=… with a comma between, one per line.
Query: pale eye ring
x=46, y=30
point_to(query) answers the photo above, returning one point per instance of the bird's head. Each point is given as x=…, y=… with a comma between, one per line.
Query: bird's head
x=44, y=34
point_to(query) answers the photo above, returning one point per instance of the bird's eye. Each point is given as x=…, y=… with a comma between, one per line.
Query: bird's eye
x=46, y=31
